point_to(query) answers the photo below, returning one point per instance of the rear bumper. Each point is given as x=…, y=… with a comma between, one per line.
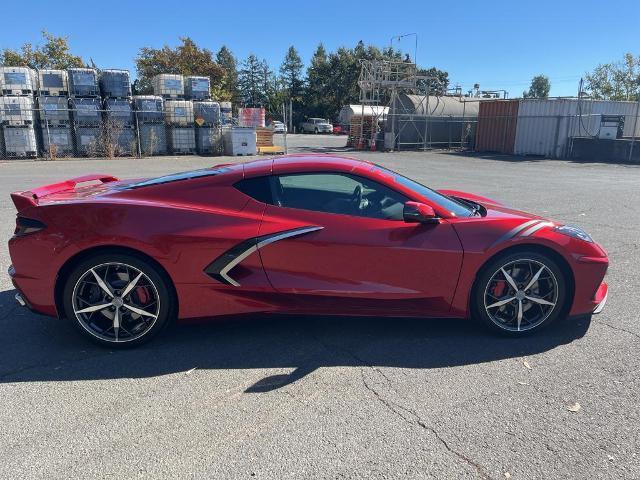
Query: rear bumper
x=600, y=298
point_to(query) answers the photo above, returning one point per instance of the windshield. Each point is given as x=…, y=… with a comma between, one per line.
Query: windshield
x=455, y=207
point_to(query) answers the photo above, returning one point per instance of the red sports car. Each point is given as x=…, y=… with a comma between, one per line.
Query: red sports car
x=296, y=235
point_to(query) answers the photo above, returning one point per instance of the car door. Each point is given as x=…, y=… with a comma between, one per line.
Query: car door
x=350, y=259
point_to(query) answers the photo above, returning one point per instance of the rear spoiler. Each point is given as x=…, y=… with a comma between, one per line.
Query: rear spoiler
x=26, y=199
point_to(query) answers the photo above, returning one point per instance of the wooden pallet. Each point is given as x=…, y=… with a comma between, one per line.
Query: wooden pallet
x=264, y=137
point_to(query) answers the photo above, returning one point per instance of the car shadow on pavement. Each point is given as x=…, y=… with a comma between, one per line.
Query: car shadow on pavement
x=41, y=349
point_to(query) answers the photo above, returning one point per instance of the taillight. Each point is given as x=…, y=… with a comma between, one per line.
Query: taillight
x=25, y=226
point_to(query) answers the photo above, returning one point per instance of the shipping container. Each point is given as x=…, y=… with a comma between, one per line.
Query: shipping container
x=53, y=83
x=178, y=112
x=197, y=88
x=168, y=85
x=546, y=126
x=115, y=83
x=17, y=81
x=83, y=82
x=182, y=140
x=20, y=142
x=60, y=139
x=148, y=108
x=54, y=111
x=239, y=140
x=153, y=139
x=17, y=111
x=496, y=130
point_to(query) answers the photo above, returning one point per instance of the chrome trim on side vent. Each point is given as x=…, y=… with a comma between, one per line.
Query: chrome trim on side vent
x=221, y=266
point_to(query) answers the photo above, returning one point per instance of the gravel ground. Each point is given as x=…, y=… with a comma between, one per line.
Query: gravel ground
x=323, y=397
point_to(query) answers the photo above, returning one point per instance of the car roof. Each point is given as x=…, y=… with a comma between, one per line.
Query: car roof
x=319, y=162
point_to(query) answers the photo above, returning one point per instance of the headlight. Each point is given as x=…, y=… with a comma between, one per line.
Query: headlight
x=573, y=231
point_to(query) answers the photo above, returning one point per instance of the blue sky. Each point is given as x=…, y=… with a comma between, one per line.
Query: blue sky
x=499, y=44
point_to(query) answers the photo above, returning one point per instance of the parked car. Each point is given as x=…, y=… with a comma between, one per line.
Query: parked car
x=122, y=258
x=278, y=127
x=316, y=125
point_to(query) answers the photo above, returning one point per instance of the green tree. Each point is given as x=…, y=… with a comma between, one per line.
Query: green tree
x=436, y=81
x=291, y=73
x=228, y=62
x=616, y=80
x=318, y=84
x=540, y=87
x=185, y=59
x=53, y=53
x=251, y=82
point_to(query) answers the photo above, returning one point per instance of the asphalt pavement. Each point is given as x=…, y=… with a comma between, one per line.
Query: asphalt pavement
x=302, y=397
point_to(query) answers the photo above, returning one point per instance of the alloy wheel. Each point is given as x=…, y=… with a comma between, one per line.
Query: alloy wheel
x=116, y=302
x=521, y=295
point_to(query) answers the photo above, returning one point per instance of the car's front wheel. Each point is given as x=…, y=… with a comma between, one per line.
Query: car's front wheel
x=118, y=300
x=520, y=293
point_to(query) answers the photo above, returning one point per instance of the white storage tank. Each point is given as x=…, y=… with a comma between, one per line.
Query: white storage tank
x=153, y=139
x=226, y=113
x=197, y=88
x=54, y=111
x=178, y=112
x=83, y=82
x=206, y=113
x=182, y=140
x=20, y=142
x=239, y=140
x=17, y=81
x=53, y=83
x=148, y=108
x=86, y=111
x=57, y=141
x=16, y=111
x=208, y=140
x=118, y=110
x=115, y=83
x=168, y=85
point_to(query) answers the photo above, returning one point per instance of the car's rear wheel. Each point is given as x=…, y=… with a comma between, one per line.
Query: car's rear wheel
x=520, y=293
x=118, y=300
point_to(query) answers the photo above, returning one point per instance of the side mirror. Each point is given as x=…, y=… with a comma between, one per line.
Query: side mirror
x=416, y=212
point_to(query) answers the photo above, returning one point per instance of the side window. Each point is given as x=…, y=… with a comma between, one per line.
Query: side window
x=257, y=188
x=338, y=193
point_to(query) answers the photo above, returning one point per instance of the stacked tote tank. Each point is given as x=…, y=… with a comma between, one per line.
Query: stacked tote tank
x=54, y=117
x=178, y=115
x=85, y=104
x=17, y=112
x=149, y=112
x=207, y=122
x=118, y=133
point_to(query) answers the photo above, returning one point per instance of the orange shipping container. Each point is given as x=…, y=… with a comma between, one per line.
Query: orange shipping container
x=497, y=122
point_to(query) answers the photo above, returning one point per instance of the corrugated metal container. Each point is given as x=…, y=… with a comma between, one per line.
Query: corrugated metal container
x=53, y=83
x=206, y=113
x=118, y=110
x=86, y=111
x=178, y=112
x=208, y=140
x=54, y=110
x=168, y=85
x=115, y=83
x=148, y=108
x=197, y=88
x=496, y=130
x=182, y=139
x=239, y=141
x=17, y=81
x=87, y=141
x=153, y=139
x=59, y=138
x=545, y=127
x=16, y=111
x=20, y=142
x=83, y=82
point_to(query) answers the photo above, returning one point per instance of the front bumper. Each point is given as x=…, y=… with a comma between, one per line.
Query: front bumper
x=600, y=298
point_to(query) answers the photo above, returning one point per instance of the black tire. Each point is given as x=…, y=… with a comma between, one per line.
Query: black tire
x=541, y=315
x=153, y=282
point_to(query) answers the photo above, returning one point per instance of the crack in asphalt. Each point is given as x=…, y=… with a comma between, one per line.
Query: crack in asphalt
x=393, y=408
x=619, y=329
